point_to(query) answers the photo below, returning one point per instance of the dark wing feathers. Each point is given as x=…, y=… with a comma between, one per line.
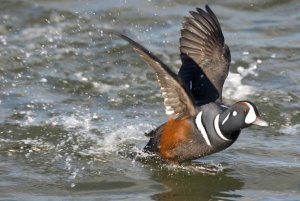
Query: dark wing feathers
x=177, y=99
x=205, y=64
x=202, y=41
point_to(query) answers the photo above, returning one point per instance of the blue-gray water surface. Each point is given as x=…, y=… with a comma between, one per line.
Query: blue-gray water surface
x=74, y=101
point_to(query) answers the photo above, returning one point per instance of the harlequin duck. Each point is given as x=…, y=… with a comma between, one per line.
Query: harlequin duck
x=199, y=123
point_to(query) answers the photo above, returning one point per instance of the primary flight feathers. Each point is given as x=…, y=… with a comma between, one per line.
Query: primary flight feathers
x=205, y=65
x=177, y=99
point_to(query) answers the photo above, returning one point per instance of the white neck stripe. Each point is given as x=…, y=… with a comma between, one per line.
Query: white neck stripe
x=202, y=129
x=226, y=118
x=217, y=128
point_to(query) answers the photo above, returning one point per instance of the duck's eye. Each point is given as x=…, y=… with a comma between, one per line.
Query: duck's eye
x=234, y=113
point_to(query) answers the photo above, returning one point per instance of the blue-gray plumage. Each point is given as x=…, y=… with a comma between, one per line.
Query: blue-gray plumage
x=199, y=122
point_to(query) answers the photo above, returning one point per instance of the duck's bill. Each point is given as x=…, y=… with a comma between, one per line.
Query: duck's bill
x=260, y=122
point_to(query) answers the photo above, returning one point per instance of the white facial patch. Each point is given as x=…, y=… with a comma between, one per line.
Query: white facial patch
x=217, y=128
x=226, y=118
x=251, y=116
x=202, y=129
x=234, y=113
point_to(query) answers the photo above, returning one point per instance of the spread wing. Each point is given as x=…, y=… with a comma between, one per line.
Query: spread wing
x=205, y=57
x=177, y=99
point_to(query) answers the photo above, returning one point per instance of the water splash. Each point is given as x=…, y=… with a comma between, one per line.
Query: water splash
x=291, y=130
x=234, y=88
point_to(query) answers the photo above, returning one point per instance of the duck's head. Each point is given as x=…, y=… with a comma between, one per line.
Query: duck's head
x=241, y=115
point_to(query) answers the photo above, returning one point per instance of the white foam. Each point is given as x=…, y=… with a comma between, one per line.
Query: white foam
x=77, y=121
x=105, y=88
x=3, y=40
x=118, y=136
x=111, y=137
x=80, y=76
x=29, y=118
x=234, y=89
x=211, y=169
x=233, y=86
x=248, y=71
x=35, y=145
x=291, y=130
x=273, y=55
x=51, y=33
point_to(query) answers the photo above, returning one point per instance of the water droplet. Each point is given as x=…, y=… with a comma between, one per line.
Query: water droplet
x=43, y=80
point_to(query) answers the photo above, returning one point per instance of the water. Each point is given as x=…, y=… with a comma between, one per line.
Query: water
x=73, y=100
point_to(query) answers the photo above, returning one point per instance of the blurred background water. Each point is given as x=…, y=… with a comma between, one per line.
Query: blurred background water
x=73, y=99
